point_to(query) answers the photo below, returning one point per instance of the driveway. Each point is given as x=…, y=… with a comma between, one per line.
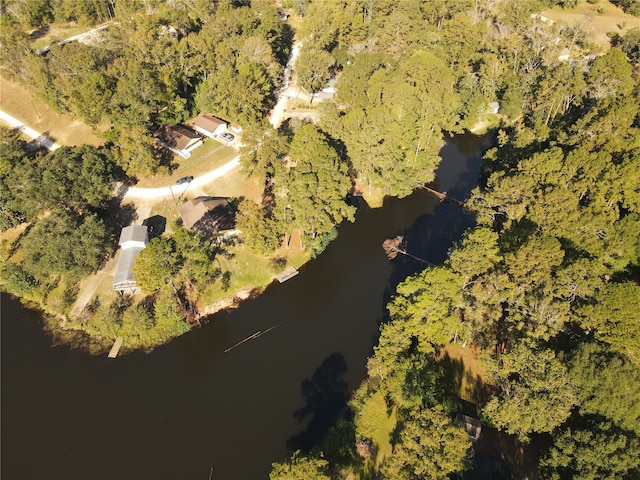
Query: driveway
x=147, y=193
x=38, y=138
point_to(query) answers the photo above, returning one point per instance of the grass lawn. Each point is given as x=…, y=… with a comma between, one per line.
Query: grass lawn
x=596, y=20
x=8, y=238
x=25, y=105
x=209, y=156
x=234, y=185
x=251, y=270
x=377, y=424
x=54, y=33
x=247, y=271
x=464, y=371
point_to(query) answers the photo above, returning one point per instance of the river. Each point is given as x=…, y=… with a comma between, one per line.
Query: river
x=190, y=407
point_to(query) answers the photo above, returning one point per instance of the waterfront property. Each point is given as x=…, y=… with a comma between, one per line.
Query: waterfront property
x=133, y=240
x=208, y=215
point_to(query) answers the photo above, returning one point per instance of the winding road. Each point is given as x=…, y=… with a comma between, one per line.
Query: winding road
x=147, y=193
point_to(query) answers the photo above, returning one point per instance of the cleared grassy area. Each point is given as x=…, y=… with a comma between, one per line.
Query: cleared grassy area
x=209, y=156
x=8, y=238
x=25, y=105
x=376, y=424
x=234, y=184
x=596, y=20
x=465, y=372
x=248, y=270
x=54, y=33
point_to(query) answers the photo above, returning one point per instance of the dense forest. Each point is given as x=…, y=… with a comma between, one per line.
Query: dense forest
x=543, y=292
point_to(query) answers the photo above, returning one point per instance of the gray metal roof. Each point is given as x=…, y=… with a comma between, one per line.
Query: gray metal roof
x=133, y=233
x=124, y=270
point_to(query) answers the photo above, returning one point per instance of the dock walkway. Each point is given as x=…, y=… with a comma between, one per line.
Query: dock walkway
x=116, y=348
x=286, y=274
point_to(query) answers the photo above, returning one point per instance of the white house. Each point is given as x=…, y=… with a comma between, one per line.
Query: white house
x=210, y=126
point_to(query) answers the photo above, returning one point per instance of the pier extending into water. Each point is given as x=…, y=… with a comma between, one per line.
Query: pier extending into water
x=116, y=348
x=288, y=273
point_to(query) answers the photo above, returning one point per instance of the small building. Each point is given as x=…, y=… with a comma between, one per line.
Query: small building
x=179, y=139
x=494, y=107
x=472, y=426
x=133, y=240
x=208, y=215
x=210, y=126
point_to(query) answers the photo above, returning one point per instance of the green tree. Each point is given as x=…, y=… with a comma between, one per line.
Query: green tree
x=135, y=152
x=196, y=255
x=136, y=321
x=427, y=306
x=65, y=245
x=615, y=318
x=300, y=466
x=15, y=279
x=168, y=314
x=263, y=151
x=313, y=69
x=138, y=94
x=477, y=253
x=608, y=385
x=599, y=451
x=156, y=265
x=630, y=44
x=15, y=47
x=430, y=446
x=610, y=75
x=70, y=178
x=317, y=184
x=258, y=227
x=12, y=159
x=534, y=395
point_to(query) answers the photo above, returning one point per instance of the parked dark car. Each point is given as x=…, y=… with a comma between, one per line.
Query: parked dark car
x=183, y=180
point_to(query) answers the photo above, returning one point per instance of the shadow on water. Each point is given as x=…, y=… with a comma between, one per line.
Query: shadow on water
x=326, y=394
x=433, y=234
x=195, y=403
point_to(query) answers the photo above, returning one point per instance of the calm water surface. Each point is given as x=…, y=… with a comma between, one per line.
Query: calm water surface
x=189, y=407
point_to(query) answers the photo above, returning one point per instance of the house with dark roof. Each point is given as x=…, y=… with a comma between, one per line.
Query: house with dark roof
x=133, y=240
x=210, y=126
x=208, y=215
x=179, y=139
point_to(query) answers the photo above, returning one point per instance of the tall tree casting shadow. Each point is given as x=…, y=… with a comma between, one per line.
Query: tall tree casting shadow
x=326, y=395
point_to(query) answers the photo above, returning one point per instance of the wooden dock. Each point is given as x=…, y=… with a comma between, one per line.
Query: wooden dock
x=116, y=348
x=286, y=274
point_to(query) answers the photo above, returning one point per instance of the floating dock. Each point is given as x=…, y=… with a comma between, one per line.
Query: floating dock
x=116, y=348
x=285, y=275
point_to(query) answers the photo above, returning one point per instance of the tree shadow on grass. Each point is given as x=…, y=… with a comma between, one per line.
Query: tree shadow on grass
x=326, y=395
x=462, y=382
